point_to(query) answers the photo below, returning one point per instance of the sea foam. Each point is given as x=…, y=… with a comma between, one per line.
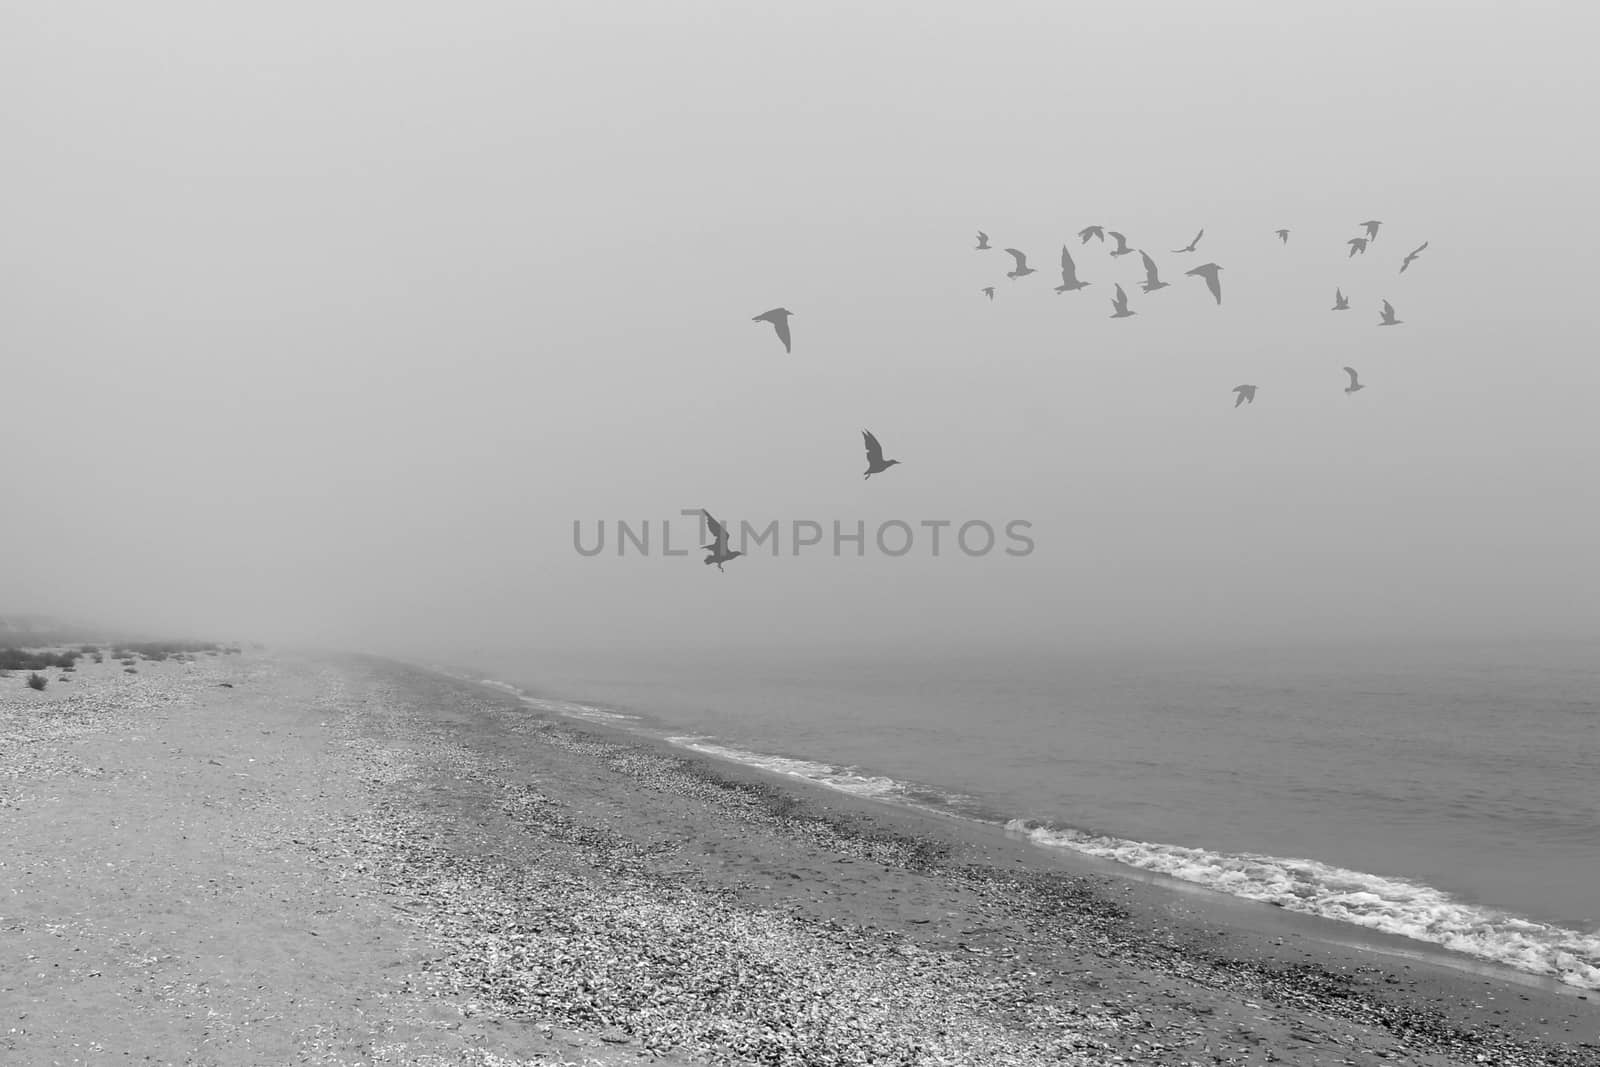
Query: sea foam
x=1391, y=905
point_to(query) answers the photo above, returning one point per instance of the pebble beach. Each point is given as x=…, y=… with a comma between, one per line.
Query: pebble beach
x=274, y=858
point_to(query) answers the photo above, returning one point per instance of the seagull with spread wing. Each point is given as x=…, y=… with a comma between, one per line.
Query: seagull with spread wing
x=1021, y=268
x=1152, y=281
x=983, y=242
x=1190, y=247
x=1387, y=315
x=1372, y=228
x=1092, y=231
x=1355, y=383
x=1119, y=305
x=1246, y=392
x=1412, y=255
x=988, y=291
x=1357, y=244
x=876, y=464
x=1283, y=235
x=1209, y=271
x=1069, y=274
x=779, y=317
x=1340, y=301
x=720, y=553
x=1122, y=248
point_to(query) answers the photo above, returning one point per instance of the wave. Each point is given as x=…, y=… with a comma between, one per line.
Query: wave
x=843, y=779
x=1391, y=905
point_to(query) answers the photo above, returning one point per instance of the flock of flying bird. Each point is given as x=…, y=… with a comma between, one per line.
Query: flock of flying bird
x=1210, y=273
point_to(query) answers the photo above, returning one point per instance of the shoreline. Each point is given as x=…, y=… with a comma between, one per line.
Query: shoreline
x=1241, y=909
x=352, y=860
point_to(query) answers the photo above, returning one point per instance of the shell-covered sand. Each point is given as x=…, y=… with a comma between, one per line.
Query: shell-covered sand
x=349, y=861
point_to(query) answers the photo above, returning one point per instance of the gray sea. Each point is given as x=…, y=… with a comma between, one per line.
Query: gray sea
x=1448, y=794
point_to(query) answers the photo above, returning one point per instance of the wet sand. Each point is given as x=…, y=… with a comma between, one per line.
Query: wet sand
x=353, y=861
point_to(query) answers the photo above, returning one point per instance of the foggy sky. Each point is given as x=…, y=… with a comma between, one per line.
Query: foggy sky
x=327, y=321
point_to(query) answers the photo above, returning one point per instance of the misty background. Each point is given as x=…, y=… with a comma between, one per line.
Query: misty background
x=325, y=323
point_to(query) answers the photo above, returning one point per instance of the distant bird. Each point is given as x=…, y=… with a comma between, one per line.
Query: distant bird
x=1069, y=274
x=1246, y=392
x=1092, y=231
x=1122, y=248
x=983, y=242
x=1340, y=301
x=1357, y=244
x=1152, y=282
x=1119, y=304
x=1208, y=271
x=1412, y=255
x=779, y=317
x=1022, y=267
x=718, y=547
x=1372, y=229
x=988, y=290
x=1191, y=245
x=876, y=464
x=1283, y=235
x=1387, y=314
x=1355, y=383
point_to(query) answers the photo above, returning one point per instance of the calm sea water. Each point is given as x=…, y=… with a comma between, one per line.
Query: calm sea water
x=1448, y=794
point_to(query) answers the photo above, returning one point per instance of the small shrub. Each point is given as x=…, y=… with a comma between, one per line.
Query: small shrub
x=37, y=681
x=130, y=670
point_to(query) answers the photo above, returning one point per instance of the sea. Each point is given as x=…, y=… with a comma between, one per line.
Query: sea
x=1446, y=793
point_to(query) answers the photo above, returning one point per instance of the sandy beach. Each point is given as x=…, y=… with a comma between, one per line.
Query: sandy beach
x=275, y=858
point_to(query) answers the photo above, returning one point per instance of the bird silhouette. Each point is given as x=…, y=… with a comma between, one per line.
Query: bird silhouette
x=1355, y=383
x=1092, y=231
x=1191, y=245
x=1357, y=244
x=1412, y=255
x=1208, y=271
x=779, y=317
x=1246, y=392
x=1119, y=304
x=988, y=290
x=1340, y=301
x=1387, y=315
x=1152, y=281
x=876, y=464
x=1372, y=229
x=983, y=242
x=1283, y=235
x=718, y=547
x=1122, y=248
x=1022, y=267
x=1069, y=274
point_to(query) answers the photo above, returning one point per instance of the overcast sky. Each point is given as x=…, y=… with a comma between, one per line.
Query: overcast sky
x=329, y=320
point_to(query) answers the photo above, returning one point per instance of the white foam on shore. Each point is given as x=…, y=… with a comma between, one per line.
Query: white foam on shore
x=1391, y=905
x=844, y=779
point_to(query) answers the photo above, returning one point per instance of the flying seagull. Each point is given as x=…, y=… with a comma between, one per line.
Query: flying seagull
x=983, y=242
x=1119, y=304
x=1283, y=235
x=1122, y=248
x=988, y=291
x=1208, y=271
x=1069, y=274
x=1022, y=267
x=1372, y=229
x=718, y=547
x=1190, y=246
x=1246, y=392
x=1388, y=318
x=1152, y=281
x=1355, y=383
x=1092, y=231
x=779, y=317
x=1340, y=301
x=1412, y=255
x=1357, y=244
x=876, y=464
